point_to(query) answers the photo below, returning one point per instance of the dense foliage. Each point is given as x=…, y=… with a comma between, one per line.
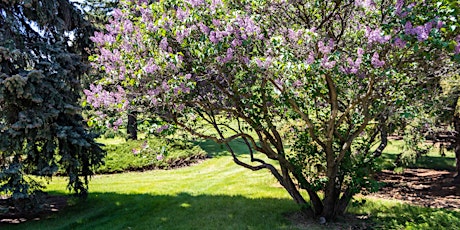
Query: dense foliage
x=42, y=60
x=330, y=74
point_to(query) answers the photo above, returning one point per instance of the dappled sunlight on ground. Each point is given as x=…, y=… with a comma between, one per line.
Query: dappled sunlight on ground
x=423, y=187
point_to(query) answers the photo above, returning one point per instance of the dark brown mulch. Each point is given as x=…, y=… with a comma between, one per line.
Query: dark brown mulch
x=423, y=187
x=53, y=204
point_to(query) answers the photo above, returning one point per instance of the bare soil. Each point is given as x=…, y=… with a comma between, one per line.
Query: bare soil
x=423, y=187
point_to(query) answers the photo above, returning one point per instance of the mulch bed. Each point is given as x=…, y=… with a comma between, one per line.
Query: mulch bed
x=423, y=187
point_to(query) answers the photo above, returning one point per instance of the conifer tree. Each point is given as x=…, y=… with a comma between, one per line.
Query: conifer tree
x=42, y=62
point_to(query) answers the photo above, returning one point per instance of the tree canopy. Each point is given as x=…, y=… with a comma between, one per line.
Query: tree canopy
x=310, y=84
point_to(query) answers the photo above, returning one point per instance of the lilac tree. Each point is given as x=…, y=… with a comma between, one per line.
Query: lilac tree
x=309, y=84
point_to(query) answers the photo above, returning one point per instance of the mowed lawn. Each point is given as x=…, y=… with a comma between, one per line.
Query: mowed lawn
x=214, y=194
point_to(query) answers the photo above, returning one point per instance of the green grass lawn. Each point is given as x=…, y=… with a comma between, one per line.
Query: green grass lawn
x=215, y=194
x=431, y=160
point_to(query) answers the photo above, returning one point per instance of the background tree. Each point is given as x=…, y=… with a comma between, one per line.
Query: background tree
x=42, y=61
x=329, y=73
x=433, y=111
x=98, y=12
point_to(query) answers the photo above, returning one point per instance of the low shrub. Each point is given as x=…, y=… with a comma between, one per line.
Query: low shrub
x=151, y=153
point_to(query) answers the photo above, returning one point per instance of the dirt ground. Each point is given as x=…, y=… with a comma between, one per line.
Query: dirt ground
x=423, y=187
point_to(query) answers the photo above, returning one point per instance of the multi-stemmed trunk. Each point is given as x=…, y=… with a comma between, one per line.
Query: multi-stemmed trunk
x=334, y=202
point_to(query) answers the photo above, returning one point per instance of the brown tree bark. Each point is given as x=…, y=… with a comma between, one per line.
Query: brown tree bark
x=332, y=193
x=132, y=125
x=457, y=144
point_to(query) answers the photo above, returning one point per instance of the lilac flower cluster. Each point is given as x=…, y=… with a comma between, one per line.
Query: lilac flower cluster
x=98, y=97
x=326, y=49
x=422, y=32
x=368, y=4
x=181, y=14
x=353, y=66
x=376, y=62
x=162, y=128
x=215, y=4
x=327, y=63
x=164, y=44
x=263, y=64
x=398, y=42
x=311, y=58
x=248, y=27
x=203, y=28
x=375, y=36
x=150, y=66
x=228, y=57
x=294, y=35
x=195, y=3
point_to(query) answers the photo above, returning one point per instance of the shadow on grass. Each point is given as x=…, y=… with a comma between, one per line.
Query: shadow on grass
x=185, y=211
x=404, y=216
x=435, y=162
x=181, y=211
x=387, y=161
x=214, y=149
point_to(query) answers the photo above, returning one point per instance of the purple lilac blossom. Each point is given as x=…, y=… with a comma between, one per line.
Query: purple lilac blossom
x=311, y=58
x=375, y=36
x=399, y=43
x=204, y=29
x=398, y=7
x=376, y=62
x=181, y=14
x=327, y=64
x=164, y=44
x=195, y=3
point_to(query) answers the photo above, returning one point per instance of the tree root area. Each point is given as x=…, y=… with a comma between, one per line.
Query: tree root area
x=52, y=205
x=422, y=187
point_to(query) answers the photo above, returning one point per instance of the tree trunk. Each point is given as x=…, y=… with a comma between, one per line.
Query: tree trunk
x=344, y=201
x=332, y=194
x=457, y=145
x=132, y=125
x=316, y=203
x=331, y=201
x=289, y=185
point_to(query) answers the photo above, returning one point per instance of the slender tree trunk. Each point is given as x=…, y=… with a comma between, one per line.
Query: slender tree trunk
x=331, y=194
x=331, y=201
x=132, y=125
x=289, y=185
x=457, y=145
x=344, y=201
x=316, y=203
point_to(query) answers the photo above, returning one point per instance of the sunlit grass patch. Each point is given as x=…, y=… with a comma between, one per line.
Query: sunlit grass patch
x=393, y=214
